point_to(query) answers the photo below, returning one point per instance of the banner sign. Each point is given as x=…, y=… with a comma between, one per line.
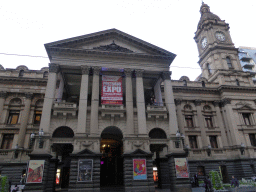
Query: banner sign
x=112, y=91
x=139, y=169
x=35, y=171
x=181, y=167
x=85, y=167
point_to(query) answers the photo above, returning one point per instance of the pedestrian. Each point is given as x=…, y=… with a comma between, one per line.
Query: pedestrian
x=196, y=180
x=207, y=184
x=234, y=182
x=15, y=189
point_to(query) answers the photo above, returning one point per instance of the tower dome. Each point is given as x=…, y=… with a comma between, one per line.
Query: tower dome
x=206, y=14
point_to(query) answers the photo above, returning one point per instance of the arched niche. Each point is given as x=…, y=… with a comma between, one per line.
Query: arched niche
x=157, y=133
x=63, y=132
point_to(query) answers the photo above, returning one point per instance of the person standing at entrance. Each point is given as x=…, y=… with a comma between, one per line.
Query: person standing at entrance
x=196, y=180
x=234, y=182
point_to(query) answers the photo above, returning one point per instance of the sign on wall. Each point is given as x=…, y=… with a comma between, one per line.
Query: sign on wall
x=139, y=169
x=85, y=168
x=181, y=167
x=35, y=171
x=112, y=91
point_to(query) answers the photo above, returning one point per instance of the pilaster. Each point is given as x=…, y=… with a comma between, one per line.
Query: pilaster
x=2, y=100
x=94, y=125
x=129, y=102
x=82, y=111
x=180, y=117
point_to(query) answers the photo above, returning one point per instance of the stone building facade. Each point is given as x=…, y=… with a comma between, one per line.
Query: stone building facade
x=211, y=121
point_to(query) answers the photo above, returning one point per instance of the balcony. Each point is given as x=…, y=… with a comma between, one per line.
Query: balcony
x=64, y=108
x=246, y=64
x=156, y=111
x=112, y=110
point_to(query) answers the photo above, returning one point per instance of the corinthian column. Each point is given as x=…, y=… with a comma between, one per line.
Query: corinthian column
x=180, y=116
x=2, y=99
x=220, y=123
x=142, y=126
x=200, y=117
x=24, y=119
x=169, y=102
x=82, y=112
x=95, y=102
x=49, y=97
x=129, y=102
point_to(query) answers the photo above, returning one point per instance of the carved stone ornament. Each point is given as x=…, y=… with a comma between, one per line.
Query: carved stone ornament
x=29, y=95
x=139, y=72
x=85, y=70
x=226, y=101
x=216, y=103
x=178, y=101
x=113, y=47
x=3, y=94
x=198, y=102
x=96, y=70
x=166, y=75
x=54, y=68
x=128, y=72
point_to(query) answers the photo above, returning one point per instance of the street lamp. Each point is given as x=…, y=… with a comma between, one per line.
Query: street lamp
x=209, y=150
x=186, y=149
x=179, y=137
x=41, y=142
x=32, y=140
x=242, y=148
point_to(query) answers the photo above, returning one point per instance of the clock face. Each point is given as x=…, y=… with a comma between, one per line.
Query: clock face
x=204, y=42
x=220, y=36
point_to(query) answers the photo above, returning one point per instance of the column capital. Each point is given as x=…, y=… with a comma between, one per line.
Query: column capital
x=3, y=94
x=198, y=102
x=216, y=103
x=128, y=72
x=85, y=69
x=225, y=101
x=139, y=72
x=53, y=68
x=96, y=70
x=177, y=101
x=166, y=75
x=29, y=95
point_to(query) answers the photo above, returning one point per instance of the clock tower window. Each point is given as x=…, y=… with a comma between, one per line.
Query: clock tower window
x=209, y=68
x=229, y=63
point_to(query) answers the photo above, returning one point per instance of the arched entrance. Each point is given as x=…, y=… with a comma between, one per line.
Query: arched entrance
x=111, y=169
x=157, y=147
x=62, y=151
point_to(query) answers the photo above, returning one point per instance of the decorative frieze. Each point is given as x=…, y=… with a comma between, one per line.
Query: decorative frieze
x=54, y=68
x=85, y=69
x=198, y=102
x=96, y=70
x=166, y=75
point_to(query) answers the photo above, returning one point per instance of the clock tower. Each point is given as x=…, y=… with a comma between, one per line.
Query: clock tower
x=218, y=57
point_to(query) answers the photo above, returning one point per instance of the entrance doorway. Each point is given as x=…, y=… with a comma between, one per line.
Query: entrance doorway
x=111, y=147
x=224, y=173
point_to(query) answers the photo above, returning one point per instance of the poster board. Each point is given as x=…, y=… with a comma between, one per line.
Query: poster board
x=139, y=169
x=85, y=169
x=181, y=168
x=35, y=171
x=112, y=91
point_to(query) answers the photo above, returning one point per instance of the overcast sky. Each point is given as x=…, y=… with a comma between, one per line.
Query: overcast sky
x=170, y=24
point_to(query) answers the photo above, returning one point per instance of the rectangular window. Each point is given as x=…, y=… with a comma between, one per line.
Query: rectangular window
x=7, y=141
x=208, y=120
x=189, y=121
x=213, y=141
x=246, y=117
x=37, y=117
x=13, y=117
x=200, y=171
x=252, y=139
x=193, y=142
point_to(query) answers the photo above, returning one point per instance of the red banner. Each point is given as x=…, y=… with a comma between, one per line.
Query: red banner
x=112, y=91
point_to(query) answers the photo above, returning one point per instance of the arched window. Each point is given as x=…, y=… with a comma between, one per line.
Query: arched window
x=185, y=83
x=21, y=73
x=14, y=111
x=203, y=84
x=229, y=62
x=237, y=82
x=209, y=68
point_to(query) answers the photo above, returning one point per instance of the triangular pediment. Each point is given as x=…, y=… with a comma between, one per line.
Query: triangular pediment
x=244, y=106
x=110, y=41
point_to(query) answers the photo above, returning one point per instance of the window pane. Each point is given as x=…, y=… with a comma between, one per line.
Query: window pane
x=213, y=141
x=192, y=142
x=7, y=141
x=252, y=139
x=200, y=170
x=246, y=117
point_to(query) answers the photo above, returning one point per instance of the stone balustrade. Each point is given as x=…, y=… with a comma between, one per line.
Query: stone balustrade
x=64, y=108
